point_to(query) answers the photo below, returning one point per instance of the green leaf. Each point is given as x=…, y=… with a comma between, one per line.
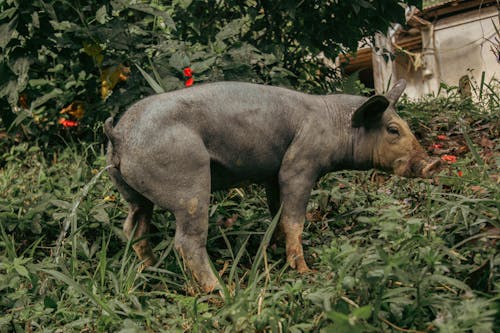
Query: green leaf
x=49, y=9
x=338, y=317
x=356, y=8
x=48, y=302
x=130, y=327
x=366, y=4
x=40, y=82
x=341, y=323
x=19, y=267
x=6, y=322
x=45, y=98
x=22, y=114
x=64, y=26
x=8, y=13
x=8, y=89
x=61, y=204
x=7, y=32
x=152, y=82
x=231, y=29
x=20, y=68
x=179, y=61
x=445, y=280
x=202, y=66
x=363, y=312
x=100, y=215
x=156, y=12
x=57, y=68
x=184, y=4
x=35, y=20
x=101, y=15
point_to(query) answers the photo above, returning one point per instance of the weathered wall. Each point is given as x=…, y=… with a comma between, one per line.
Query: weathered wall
x=451, y=46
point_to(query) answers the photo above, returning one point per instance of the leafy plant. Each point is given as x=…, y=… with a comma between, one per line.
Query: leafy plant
x=66, y=66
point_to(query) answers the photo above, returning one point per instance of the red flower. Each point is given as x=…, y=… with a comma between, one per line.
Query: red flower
x=460, y=173
x=189, y=82
x=442, y=137
x=437, y=146
x=188, y=72
x=449, y=158
x=67, y=123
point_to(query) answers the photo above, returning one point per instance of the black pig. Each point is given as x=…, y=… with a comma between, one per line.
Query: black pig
x=173, y=149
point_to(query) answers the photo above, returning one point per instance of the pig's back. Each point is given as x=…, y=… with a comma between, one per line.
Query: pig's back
x=222, y=113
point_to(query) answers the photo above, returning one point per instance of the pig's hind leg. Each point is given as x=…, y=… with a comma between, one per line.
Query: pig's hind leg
x=136, y=225
x=185, y=191
x=191, y=213
x=191, y=236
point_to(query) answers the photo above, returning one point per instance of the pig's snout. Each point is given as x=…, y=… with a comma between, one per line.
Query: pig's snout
x=421, y=166
x=424, y=167
x=432, y=165
x=418, y=166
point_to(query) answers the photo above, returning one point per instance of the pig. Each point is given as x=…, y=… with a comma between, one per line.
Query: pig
x=174, y=148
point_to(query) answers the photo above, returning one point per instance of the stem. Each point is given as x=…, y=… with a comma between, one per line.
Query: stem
x=397, y=328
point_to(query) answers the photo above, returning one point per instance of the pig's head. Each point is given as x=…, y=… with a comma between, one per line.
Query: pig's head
x=387, y=140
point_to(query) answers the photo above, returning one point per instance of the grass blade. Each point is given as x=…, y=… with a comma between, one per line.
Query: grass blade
x=252, y=281
x=237, y=259
x=472, y=148
x=78, y=287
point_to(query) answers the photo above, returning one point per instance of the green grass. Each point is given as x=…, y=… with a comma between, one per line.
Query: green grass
x=389, y=254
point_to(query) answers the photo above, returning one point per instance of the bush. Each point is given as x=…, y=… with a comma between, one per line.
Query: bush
x=65, y=67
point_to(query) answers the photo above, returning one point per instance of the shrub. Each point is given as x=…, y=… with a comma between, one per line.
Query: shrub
x=65, y=66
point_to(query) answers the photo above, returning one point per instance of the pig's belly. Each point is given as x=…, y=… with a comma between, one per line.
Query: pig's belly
x=224, y=176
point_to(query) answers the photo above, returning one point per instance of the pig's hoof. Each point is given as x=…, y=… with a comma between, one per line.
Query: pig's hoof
x=302, y=268
x=207, y=282
x=147, y=262
x=299, y=264
x=150, y=261
x=211, y=287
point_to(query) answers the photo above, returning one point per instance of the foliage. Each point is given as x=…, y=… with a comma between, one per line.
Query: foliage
x=65, y=63
x=390, y=254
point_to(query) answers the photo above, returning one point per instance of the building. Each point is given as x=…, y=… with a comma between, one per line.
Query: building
x=445, y=42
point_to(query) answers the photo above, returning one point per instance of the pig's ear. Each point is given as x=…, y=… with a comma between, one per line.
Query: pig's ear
x=370, y=112
x=396, y=91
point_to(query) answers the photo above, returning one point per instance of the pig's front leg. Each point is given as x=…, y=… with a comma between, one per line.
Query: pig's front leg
x=296, y=182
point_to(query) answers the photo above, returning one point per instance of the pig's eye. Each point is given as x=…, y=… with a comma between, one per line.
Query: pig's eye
x=393, y=130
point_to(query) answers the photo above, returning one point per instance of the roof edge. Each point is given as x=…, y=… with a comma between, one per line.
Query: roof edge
x=447, y=8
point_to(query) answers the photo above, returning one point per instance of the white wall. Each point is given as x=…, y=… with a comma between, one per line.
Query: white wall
x=463, y=42
x=451, y=46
